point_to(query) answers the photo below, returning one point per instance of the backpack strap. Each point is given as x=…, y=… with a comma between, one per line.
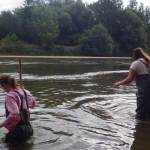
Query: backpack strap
x=26, y=98
x=145, y=63
x=21, y=97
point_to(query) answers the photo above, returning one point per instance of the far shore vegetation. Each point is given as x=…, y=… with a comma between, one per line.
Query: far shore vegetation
x=105, y=28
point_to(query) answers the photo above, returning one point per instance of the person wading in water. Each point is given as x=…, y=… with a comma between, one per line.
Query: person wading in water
x=17, y=103
x=140, y=69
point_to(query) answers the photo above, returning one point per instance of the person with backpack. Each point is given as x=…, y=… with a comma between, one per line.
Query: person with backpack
x=17, y=103
x=140, y=69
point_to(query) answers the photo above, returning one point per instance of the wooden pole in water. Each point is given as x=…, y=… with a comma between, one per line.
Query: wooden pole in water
x=20, y=73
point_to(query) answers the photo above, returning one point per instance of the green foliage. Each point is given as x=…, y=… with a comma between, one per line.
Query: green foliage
x=24, y=25
x=45, y=29
x=107, y=12
x=73, y=20
x=104, y=28
x=11, y=45
x=20, y=49
x=133, y=5
x=8, y=24
x=58, y=50
x=9, y=39
x=97, y=42
x=116, y=51
x=134, y=32
x=28, y=2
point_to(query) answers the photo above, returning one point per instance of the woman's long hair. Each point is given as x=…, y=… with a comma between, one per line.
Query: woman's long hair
x=7, y=79
x=139, y=53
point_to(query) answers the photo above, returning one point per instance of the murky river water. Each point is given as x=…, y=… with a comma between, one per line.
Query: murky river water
x=77, y=107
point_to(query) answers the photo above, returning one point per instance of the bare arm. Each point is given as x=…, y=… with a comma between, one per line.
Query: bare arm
x=132, y=73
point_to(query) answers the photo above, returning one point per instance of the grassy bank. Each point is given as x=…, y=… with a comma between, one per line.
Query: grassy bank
x=19, y=48
x=22, y=49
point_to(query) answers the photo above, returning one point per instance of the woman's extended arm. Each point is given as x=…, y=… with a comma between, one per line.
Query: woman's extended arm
x=132, y=73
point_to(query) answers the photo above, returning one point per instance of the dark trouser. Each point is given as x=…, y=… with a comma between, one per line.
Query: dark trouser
x=143, y=107
x=20, y=132
x=143, y=95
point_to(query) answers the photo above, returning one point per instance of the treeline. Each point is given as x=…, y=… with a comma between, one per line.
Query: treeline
x=68, y=27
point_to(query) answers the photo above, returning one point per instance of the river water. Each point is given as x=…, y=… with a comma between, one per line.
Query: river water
x=77, y=107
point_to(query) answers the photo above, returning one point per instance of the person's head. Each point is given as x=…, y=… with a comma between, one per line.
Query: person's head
x=7, y=82
x=139, y=53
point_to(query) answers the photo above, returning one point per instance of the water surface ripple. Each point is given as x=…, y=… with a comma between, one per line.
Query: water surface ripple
x=77, y=107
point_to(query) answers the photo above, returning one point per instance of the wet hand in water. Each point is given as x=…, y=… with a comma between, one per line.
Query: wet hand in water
x=116, y=84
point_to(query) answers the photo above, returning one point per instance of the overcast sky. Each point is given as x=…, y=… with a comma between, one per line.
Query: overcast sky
x=11, y=4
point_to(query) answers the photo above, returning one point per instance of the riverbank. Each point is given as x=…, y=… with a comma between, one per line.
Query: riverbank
x=78, y=57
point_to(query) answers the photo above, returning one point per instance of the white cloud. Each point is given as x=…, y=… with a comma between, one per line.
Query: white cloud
x=10, y=4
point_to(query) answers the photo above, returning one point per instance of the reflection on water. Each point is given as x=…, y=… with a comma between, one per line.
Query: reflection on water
x=141, y=136
x=77, y=107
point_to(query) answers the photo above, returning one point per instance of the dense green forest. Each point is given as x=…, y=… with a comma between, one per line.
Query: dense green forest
x=69, y=27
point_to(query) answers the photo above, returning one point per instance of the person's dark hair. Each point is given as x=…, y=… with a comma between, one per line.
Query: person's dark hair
x=7, y=79
x=137, y=53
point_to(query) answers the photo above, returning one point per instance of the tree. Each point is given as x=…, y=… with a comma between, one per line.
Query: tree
x=66, y=28
x=97, y=42
x=28, y=2
x=39, y=3
x=45, y=30
x=147, y=14
x=73, y=20
x=24, y=29
x=60, y=3
x=8, y=24
x=139, y=10
x=133, y=32
x=133, y=5
x=107, y=12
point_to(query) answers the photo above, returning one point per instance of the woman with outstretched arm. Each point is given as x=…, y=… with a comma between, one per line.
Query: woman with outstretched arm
x=140, y=70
